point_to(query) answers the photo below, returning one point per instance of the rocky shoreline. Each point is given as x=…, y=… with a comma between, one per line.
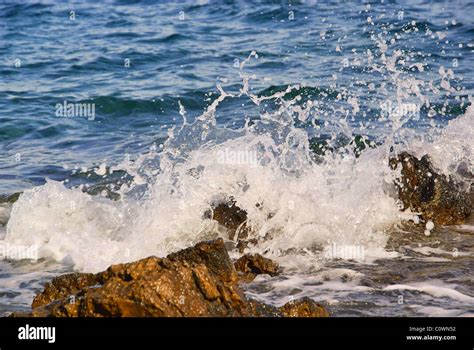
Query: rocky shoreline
x=203, y=280
x=194, y=282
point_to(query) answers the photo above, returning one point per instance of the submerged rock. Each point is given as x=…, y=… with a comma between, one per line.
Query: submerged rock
x=422, y=189
x=198, y=281
x=252, y=265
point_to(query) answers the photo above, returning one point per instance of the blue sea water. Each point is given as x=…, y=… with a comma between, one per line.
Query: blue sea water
x=179, y=52
x=151, y=74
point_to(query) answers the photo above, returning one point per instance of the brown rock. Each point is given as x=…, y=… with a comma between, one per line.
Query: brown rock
x=186, y=283
x=213, y=254
x=259, y=309
x=252, y=265
x=422, y=189
x=303, y=307
x=152, y=287
x=63, y=286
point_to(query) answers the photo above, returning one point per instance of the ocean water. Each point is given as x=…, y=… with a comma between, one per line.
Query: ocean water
x=123, y=123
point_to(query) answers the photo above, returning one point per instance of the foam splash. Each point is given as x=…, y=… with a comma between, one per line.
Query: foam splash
x=342, y=201
x=436, y=289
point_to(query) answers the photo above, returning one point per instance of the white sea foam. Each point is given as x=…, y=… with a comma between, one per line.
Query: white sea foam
x=437, y=290
x=321, y=205
x=435, y=311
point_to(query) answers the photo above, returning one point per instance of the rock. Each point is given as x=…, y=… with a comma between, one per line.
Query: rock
x=151, y=287
x=303, y=307
x=423, y=190
x=243, y=244
x=213, y=254
x=198, y=281
x=259, y=309
x=252, y=265
x=64, y=286
x=232, y=218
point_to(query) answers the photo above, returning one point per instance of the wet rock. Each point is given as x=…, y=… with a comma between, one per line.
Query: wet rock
x=303, y=307
x=422, y=189
x=63, y=286
x=259, y=309
x=252, y=265
x=150, y=287
x=198, y=281
x=243, y=244
x=213, y=254
x=232, y=218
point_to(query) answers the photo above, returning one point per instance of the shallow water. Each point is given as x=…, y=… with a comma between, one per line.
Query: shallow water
x=431, y=276
x=239, y=100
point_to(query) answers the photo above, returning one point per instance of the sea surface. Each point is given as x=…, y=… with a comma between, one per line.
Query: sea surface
x=123, y=122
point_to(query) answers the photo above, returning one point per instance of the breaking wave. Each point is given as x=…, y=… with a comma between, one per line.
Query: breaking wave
x=298, y=200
